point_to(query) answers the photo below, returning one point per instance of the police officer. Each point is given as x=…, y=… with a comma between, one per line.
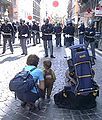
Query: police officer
x=47, y=30
x=14, y=33
x=30, y=31
x=7, y=32
x=81, y=33
x=34, y=31
x=58, y=32
x=37, y=33
x=23, y=33
x=0, y=32
x=90, y=37
x=68, y=31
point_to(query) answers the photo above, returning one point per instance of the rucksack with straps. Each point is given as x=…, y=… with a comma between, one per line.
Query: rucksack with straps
x=22, y=82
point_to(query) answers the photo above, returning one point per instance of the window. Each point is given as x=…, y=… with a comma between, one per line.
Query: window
x=14, y=3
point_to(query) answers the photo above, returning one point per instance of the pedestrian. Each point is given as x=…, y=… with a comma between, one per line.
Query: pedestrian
x=81, y=33
x=23, y=33
x=7, y=32
x=32, y=96
x=89, y=38
x=47, y=30
x=58, y=32
x=34, y=31
x=49, y=78
x=69, y=31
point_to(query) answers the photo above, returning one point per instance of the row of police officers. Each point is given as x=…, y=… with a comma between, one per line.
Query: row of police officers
x=25, y=31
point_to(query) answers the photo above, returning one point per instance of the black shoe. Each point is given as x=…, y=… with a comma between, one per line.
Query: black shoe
x=52, y=56
x=0, y=44
x=3, y=52
x=25, y=54
x=46, y=55
x=22, y=54
x=11, y=52
x=34, y=45
x=61, y=46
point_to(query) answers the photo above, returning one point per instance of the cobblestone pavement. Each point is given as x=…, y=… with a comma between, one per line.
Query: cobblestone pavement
x=10, y=108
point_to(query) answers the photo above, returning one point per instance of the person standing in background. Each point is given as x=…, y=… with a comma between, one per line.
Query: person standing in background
x=58, y=32
x=7, y=32
x=81, y=33
x=47, y=30
x=89, y=38
x=69, y=31
x=0, y=32
x=23, y=33
x=34, y=31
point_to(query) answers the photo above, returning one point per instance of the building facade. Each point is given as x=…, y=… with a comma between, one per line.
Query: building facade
x=5, y=9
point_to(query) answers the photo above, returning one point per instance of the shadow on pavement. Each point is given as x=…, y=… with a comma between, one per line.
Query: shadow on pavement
x=10, y=58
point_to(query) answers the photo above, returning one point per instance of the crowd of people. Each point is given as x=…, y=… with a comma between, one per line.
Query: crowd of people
x=28, y=33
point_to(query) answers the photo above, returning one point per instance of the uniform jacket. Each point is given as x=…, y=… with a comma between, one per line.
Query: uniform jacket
x=23, y=31
x=7, y=30
x=47, y=30
x=81, y=30
x=89, y=34
x=57, y=31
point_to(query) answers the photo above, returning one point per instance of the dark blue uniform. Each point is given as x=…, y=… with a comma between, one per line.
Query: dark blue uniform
x=7, y=32
x=81, y=33
x=23, y=33
x=34, y=31
x=69, y=35
x=38, y=34
x=58, y=32
x=89, y=39
x=47, y=30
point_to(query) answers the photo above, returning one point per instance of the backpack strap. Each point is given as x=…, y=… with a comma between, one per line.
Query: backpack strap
x=32, y=69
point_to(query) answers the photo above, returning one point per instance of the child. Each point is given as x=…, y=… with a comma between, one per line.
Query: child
x=49, y=77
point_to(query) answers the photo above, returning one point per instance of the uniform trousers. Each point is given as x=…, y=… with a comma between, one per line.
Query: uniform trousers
x=5, y=42
x=48, y=44
x=23, y=45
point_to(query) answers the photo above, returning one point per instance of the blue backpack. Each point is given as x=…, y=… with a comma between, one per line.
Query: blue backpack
x=22, y=82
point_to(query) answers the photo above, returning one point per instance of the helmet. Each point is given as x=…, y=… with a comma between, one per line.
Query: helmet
x=90, y=23
x=7, y=19
x=47, y=21
x=69, y=22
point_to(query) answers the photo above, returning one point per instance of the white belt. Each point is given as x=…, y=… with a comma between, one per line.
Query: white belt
x=25, y=35
x=6, y=33
x=81, y=32
x=47, y=34
x=67, y=35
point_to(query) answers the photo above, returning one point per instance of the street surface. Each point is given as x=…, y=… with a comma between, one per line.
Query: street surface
x=10, y=108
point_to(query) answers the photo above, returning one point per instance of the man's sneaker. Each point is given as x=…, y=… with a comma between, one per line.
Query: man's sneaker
x=39, y=103
x=23, y=104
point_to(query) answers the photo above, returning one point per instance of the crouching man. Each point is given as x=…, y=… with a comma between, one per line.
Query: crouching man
x=33, y=97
